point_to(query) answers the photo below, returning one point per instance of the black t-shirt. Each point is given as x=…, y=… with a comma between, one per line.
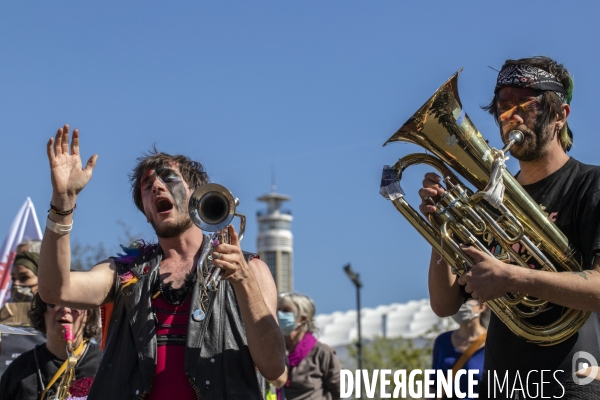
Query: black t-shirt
x=20, y=381
x=571, y=198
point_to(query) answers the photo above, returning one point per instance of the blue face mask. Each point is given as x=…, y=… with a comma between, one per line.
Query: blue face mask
x=287, y=322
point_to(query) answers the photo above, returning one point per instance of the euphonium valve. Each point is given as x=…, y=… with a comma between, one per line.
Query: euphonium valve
x=499, y=209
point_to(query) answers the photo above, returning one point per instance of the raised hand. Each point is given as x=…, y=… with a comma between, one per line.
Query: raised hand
x=68, y=176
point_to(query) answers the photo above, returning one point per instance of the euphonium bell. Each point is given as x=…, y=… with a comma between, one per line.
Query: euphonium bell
x=212, y=208
x=442, y=128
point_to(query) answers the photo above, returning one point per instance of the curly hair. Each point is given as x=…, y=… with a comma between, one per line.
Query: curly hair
x=192, y=171
x=38, y=309
x=551, y=103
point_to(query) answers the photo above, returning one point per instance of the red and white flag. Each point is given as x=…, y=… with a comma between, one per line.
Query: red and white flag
x=24, y=227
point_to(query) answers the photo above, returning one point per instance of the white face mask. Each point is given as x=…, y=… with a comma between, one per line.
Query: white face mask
x=465, y=314
x=20, y=293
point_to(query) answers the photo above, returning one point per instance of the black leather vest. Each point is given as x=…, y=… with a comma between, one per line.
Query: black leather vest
x=217, y=358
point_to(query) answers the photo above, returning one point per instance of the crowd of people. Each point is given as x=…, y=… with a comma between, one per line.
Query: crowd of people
x=39, y=371
x=169, y=334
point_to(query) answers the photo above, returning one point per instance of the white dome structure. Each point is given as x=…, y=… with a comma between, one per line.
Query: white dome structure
x=409, y=320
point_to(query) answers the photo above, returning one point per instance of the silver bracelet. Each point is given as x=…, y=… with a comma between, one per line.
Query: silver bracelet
x=58, y=228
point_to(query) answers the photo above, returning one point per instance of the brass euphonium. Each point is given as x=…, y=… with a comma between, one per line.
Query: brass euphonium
x=442, y=128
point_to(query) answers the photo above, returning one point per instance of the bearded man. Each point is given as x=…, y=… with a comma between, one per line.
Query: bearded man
x=169, y=337
x=533, y=95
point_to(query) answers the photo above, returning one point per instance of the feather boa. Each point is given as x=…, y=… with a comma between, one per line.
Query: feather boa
x=132, y=252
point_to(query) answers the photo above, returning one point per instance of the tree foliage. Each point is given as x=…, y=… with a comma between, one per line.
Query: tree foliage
x=84, y=257
x=397, y=353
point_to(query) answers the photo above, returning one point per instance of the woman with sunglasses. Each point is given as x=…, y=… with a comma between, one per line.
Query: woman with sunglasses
x=37, y=373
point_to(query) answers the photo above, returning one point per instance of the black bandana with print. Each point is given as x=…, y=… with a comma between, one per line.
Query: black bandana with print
x=526, y=76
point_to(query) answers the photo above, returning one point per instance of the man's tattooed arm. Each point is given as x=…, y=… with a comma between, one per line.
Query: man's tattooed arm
x=583, y=274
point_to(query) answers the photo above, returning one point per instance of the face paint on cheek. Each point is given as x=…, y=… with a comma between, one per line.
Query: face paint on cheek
x=179, y=195
x=507, y=114
x=145, y=180
x=174, y=184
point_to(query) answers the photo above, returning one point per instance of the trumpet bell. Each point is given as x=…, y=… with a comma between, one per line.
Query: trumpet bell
x=212, y=207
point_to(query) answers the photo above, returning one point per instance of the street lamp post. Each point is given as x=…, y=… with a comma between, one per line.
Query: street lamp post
x=355, y=278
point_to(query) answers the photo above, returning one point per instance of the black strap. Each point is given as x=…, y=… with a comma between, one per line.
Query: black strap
x=169, y=312
x=171, y=340
x=40, y=382
x=172, y=326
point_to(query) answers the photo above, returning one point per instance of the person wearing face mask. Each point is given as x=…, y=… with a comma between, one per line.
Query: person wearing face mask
x=464, y=347
x=14, y=313
x=37, y=373
x=314, y=369
x=24, y=277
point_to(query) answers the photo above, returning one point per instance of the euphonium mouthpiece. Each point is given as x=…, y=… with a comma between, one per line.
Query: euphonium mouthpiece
x=514, y=137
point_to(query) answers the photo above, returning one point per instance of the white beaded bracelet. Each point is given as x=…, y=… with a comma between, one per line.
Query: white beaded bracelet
x=58, y=228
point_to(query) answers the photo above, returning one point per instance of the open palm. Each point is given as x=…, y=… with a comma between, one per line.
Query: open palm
x=68, y=176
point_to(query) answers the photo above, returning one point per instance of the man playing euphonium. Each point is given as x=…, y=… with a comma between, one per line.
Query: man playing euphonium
x=533, y=95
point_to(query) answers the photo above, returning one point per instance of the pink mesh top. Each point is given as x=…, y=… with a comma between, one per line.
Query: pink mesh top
x=170, y=380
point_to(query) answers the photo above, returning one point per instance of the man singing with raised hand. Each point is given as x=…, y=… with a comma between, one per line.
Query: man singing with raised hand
x=533, y=96
x=158, y=347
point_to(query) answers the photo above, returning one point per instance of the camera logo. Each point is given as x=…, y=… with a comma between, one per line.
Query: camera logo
x=584, y=360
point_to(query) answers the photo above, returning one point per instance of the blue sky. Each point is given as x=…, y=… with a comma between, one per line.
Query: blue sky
x=312, y=88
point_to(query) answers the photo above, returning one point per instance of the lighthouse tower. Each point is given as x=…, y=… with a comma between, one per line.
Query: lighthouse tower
x=275, y=240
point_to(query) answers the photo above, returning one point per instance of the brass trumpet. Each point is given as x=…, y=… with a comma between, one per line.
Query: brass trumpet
x=442, y=128
x=212, y=208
